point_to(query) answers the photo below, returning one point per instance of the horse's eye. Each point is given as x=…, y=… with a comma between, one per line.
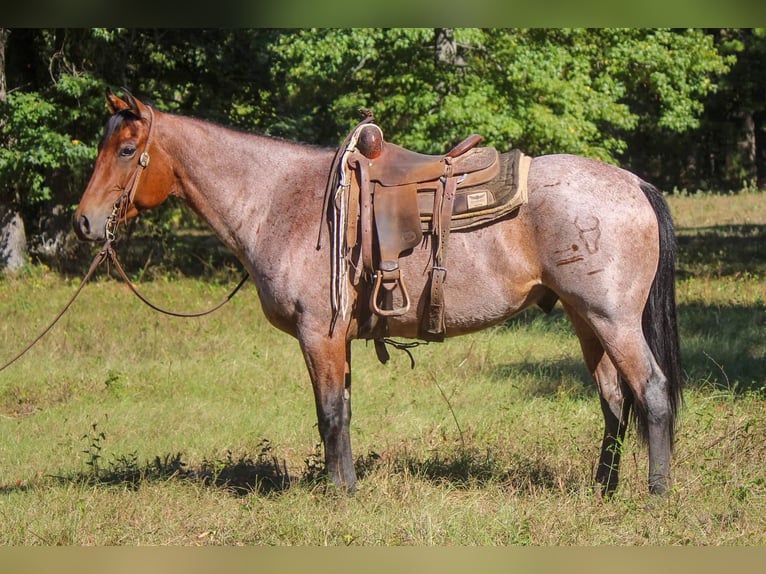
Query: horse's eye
x=128, y=151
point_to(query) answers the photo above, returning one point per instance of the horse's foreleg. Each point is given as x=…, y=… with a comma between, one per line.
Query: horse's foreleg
x=329, y=365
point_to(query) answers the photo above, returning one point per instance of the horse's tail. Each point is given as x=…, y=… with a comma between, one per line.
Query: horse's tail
x=660, y=321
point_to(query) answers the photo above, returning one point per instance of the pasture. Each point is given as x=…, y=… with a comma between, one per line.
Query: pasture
x=125, y=427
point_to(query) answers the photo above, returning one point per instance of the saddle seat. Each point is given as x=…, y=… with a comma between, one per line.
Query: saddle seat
x=392, y=165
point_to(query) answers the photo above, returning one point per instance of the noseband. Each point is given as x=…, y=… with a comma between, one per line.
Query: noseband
x=120, y=209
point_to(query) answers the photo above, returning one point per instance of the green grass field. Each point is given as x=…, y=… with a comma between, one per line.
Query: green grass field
x=125, y=427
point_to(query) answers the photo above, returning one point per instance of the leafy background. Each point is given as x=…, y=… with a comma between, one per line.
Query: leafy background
x=683, y=108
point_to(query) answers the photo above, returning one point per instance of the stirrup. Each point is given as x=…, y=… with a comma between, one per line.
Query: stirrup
x=391, y=273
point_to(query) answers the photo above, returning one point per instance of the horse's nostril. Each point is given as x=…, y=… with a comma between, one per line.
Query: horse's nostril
x=82, y=226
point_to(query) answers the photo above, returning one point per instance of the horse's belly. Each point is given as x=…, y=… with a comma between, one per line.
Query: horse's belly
x=490, y=277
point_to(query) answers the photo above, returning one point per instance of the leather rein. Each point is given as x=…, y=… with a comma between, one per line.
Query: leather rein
x=107, y=252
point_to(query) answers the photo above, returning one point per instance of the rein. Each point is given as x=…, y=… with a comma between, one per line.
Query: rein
x=97, y=260
x=118, y=214
x=112, y=255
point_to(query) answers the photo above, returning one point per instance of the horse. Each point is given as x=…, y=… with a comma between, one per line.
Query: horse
x=592, y=236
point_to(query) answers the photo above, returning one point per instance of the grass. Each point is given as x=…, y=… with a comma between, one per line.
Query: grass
x=124, y=427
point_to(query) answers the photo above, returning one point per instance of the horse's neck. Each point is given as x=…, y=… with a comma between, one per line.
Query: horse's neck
x=241, y=183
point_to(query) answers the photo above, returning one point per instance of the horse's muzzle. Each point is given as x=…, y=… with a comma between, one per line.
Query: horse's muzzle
x=85, y=230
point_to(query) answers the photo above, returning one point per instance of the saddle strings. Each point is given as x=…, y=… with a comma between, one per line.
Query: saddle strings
x=339, y=266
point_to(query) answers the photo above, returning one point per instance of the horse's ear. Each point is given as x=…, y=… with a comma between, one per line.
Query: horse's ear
x=114, y=103
x=127, y=102
x=134, y=104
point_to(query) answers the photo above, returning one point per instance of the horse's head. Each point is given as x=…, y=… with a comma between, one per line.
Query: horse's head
x=123, y=183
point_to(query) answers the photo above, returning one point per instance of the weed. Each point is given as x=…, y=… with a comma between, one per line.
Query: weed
x=314, y=472
x=244, y=475
x=94, y=439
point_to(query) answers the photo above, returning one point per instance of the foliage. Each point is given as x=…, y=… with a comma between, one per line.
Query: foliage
x=47, y=129
x=734, y=121
x=37, y=150
x=643, y=98
x=565, y=90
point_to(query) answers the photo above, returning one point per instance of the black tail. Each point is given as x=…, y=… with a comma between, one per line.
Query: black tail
x=660, y=321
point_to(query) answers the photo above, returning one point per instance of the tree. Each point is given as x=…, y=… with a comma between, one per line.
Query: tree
x=589, y=92
x=43, y=158
x=628, y=96
x=13, y=239
x=732, y=150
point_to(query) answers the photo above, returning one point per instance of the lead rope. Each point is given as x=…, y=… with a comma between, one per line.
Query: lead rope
x=108, y=253
x=113, y=258
x=119, y=211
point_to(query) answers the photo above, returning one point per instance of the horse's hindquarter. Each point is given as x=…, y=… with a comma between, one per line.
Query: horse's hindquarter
x=595, y=231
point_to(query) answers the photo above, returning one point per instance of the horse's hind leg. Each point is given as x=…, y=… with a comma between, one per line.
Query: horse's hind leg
x=631, y=356
x=615, y=404
x=329, y=364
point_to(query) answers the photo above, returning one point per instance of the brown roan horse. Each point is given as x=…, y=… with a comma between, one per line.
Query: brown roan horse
x=593, y=236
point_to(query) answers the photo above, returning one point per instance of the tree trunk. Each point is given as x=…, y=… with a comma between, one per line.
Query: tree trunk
x=446, y=49
x=13, y=239
x=759, y=121
x=3, y=40
x=747, y=151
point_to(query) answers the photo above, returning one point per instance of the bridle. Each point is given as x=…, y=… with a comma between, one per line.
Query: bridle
x=120, y=208
x=118, y=215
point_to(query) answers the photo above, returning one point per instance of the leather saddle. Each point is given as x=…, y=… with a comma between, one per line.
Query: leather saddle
x=396, y=198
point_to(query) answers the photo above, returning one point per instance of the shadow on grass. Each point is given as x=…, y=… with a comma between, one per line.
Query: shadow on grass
x=241, y=476
x=192, y=253
x=723, y=346
x=459, y=468
x=468, y=468
x=721, y=250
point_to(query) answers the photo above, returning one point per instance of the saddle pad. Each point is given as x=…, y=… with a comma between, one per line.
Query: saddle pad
x=481, y=204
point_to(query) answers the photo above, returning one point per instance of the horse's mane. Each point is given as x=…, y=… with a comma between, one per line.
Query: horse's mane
x=115, y=121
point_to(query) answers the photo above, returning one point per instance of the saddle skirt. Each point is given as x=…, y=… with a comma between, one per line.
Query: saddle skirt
x=478, y=204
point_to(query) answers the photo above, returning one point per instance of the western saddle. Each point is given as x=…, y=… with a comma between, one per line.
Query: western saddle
x=388, y=199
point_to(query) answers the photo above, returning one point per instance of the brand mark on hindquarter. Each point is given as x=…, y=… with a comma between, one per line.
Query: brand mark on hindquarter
x=590, y=232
